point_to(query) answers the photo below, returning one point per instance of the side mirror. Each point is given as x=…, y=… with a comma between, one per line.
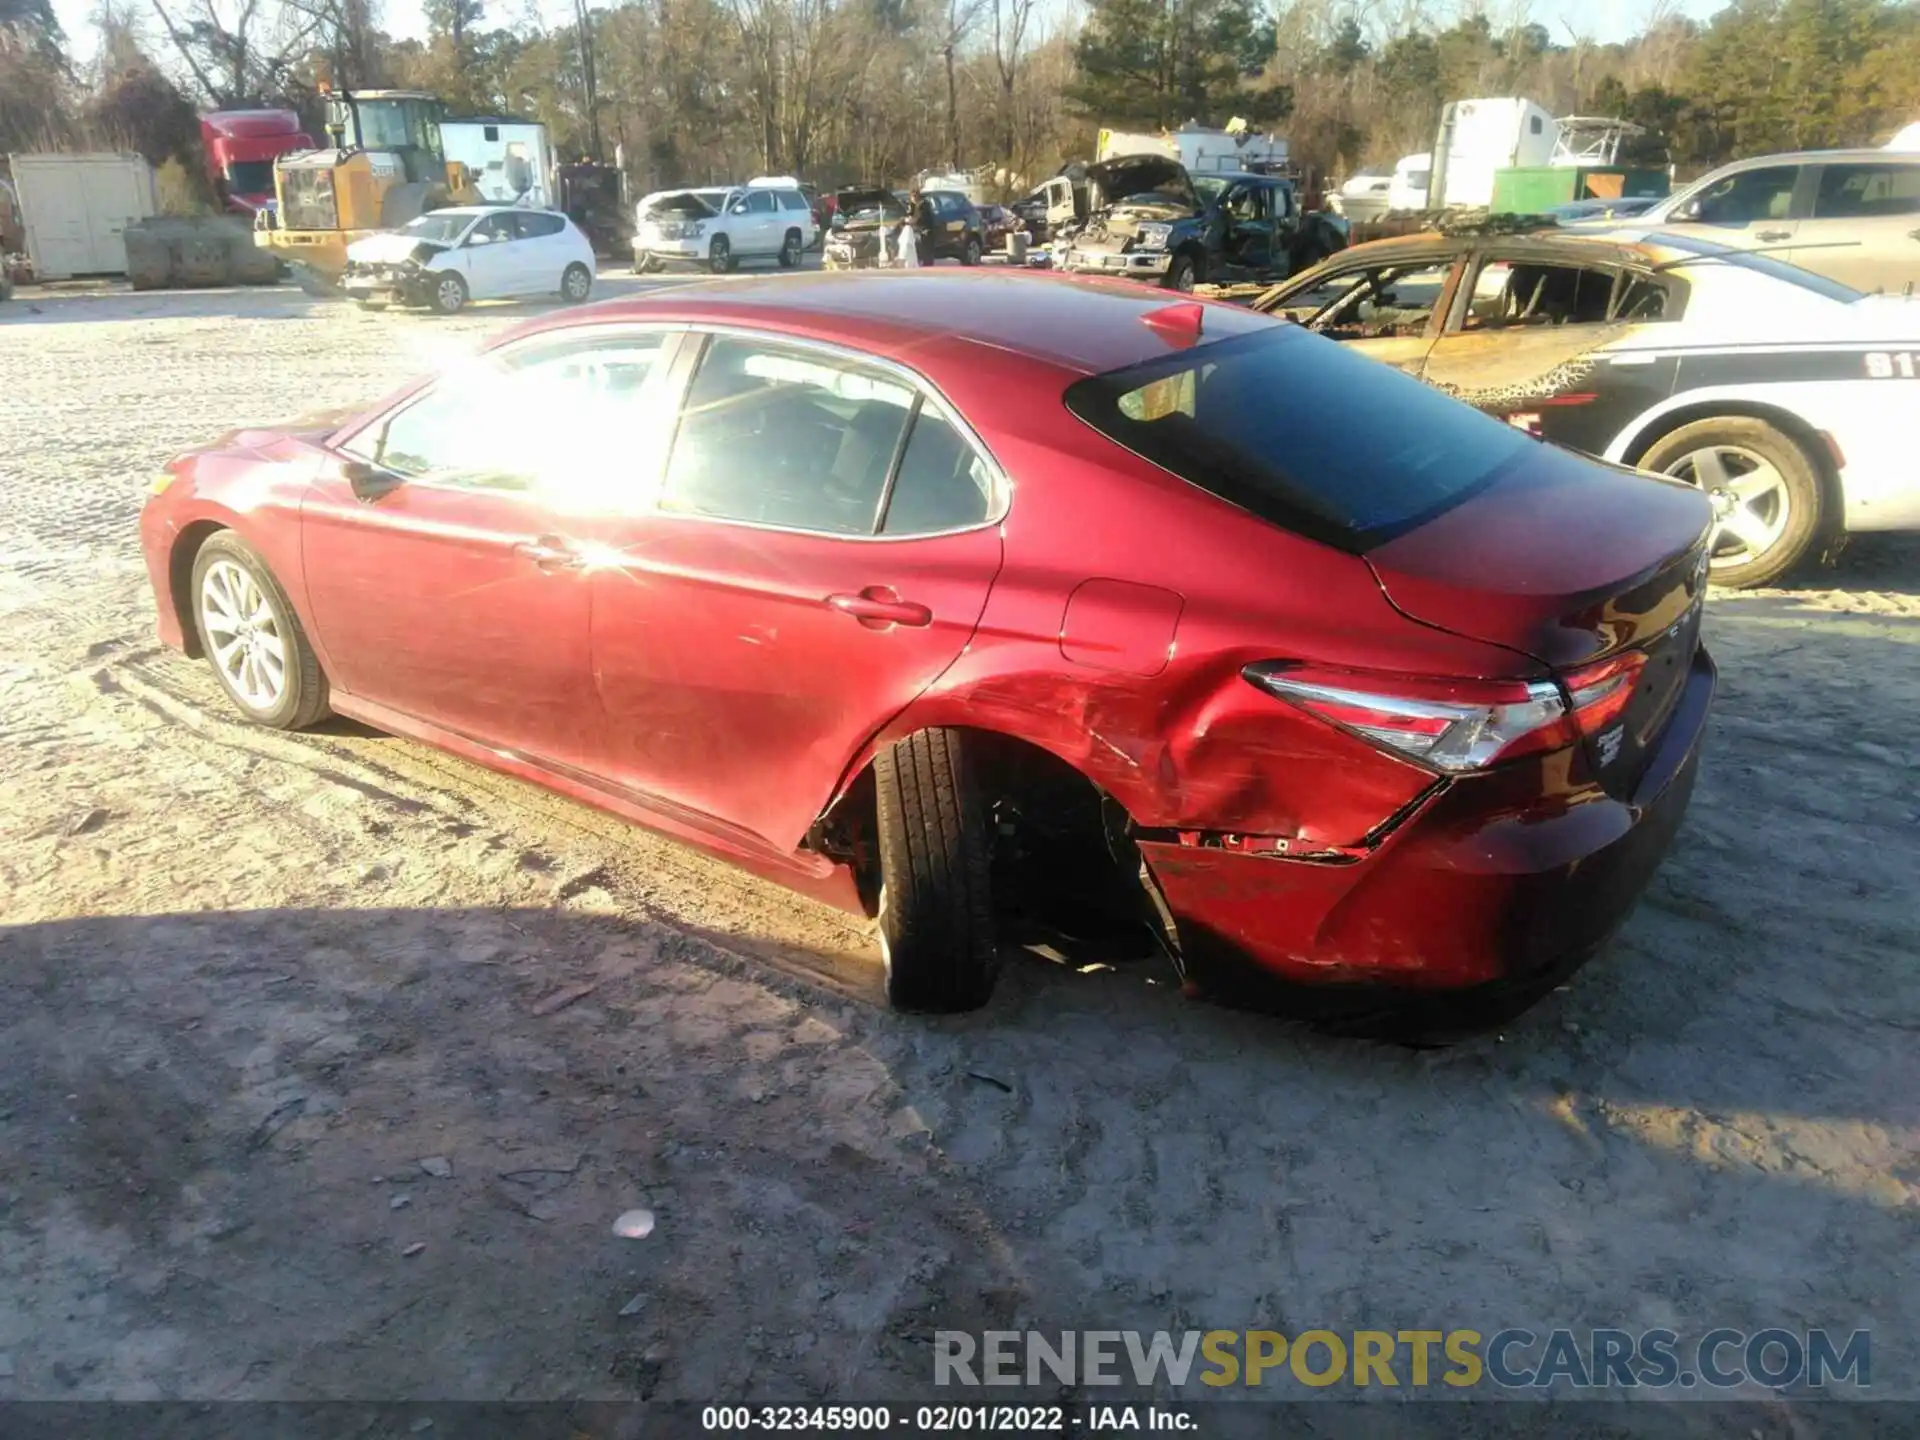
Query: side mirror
x=1688, y=211
x=369, y=481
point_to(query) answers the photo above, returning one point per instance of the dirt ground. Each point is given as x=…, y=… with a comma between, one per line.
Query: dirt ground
x=249, y=982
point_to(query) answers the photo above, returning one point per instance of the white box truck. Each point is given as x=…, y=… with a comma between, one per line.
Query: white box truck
x=75, y=210
x=1478, y=137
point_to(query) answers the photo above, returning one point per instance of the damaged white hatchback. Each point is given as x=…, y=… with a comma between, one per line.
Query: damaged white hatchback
x=471, y=252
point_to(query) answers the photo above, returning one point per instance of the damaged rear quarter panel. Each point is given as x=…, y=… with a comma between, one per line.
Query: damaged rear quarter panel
x=1194, y=746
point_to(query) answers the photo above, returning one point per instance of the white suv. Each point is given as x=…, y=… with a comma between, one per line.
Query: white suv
x=719, y=227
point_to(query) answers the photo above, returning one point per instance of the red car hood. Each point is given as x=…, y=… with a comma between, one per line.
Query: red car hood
x=310, y=429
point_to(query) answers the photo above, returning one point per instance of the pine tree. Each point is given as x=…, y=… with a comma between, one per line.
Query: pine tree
x=1157, y=63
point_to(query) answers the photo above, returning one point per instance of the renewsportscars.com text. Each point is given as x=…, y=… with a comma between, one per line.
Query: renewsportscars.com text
x=1461, y=1359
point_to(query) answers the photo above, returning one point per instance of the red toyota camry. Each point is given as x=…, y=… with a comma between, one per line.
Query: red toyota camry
x=906, y=588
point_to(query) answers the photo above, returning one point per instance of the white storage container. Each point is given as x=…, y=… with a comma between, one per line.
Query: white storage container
x=76, y=209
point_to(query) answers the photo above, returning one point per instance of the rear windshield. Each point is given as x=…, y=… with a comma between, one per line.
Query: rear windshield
x=1303, y=432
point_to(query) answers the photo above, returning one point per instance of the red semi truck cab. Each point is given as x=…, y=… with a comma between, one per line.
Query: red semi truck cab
x=241, y=146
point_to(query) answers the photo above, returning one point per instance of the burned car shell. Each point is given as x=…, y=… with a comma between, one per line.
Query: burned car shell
x=1149, y=220
x=1674, y=332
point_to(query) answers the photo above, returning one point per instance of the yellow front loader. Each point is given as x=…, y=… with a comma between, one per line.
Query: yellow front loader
x=384, y=168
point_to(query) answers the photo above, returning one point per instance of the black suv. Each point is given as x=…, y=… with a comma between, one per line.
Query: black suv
x=946, y=226
x=950, y=228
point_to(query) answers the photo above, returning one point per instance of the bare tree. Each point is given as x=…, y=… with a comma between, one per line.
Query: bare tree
x=238, y=53
x=1010, y=18
x=589, y=79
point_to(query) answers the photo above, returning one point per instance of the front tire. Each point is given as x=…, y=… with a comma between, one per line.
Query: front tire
x=253, y=638
x=790, y=249
x=1182, y=274
x=448, y=294
x=576, y=284
x=1768, y=501
x=936, y=907
x=970, y=254
x=645, y=265
x=720, y=255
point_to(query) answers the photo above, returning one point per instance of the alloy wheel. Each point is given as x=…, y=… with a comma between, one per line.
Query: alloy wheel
x=244, y=635
x=578, y=283
x=450, y=295
x=1751, y=502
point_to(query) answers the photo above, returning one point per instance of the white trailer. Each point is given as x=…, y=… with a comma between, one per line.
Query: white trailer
x=512, y=163
x=1478, y=137
x=1202, y=149
x=75, y=210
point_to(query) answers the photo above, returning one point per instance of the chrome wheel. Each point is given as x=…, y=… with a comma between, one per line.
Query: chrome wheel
x=242, y=632
x=1752, y=505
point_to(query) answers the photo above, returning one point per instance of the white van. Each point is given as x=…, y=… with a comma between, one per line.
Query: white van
x=1408, y=189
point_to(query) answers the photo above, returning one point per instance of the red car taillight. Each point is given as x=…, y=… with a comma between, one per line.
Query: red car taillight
x=1458, y=725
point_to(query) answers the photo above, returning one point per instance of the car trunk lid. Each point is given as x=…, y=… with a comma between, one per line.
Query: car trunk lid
x=1596, y=571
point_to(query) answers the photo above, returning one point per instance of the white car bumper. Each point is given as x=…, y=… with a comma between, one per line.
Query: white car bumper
x=656, y=247
x=1146, y=264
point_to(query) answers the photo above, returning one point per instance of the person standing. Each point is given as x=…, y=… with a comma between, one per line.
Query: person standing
x=908, y=242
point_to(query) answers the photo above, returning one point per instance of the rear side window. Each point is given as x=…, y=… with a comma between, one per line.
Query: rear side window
x=1867, y=192
x=535, y=226
x=792, y=200
x=1304, y=433
x=942, y=484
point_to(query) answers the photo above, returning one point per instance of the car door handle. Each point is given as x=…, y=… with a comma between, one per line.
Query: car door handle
x=1773, y=234
x=877, y=605
x=549, y=553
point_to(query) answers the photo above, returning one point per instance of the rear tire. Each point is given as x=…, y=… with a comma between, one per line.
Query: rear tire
x=1731, y=456
x=790, y=249
x=576, y=284
x=936, y=908
x=253, y=639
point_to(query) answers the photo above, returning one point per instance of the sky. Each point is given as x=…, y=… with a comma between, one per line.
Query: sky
x=1601, y=21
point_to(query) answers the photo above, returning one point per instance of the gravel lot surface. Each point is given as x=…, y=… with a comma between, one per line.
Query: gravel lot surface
x=249, y=983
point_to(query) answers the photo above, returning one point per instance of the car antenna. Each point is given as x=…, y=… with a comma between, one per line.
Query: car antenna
x=1180, y=322
x=1757, y=250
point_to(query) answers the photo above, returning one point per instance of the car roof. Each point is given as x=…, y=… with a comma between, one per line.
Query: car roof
x=1852, y=155
x=1619, y=246
x=472, y=210
x=1079, y=326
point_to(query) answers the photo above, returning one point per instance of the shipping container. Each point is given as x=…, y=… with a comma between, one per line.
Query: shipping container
x=76, y=209
x=1536, y=189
